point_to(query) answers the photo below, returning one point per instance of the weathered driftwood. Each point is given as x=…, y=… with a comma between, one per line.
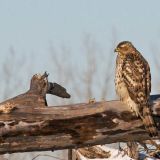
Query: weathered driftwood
x=31, y=126
x=32, y=129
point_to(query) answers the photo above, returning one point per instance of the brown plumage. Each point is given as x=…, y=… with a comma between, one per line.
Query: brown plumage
x=133, y=83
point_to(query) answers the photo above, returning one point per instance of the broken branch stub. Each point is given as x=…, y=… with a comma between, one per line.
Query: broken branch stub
x=36, y=95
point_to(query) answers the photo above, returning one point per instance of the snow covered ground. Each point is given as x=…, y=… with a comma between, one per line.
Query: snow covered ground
x=116, y=154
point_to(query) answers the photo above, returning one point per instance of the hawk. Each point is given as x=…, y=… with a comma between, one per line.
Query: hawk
x=133, y=83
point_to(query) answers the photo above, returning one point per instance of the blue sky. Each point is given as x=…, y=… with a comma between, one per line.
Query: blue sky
x=30, y=26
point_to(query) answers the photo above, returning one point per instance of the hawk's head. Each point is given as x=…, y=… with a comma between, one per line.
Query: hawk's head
x=124, y=48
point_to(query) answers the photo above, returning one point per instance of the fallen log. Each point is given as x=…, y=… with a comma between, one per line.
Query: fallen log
x=32, y=126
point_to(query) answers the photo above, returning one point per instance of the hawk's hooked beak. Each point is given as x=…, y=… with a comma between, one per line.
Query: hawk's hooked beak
x=45, y=75
x=116, y=50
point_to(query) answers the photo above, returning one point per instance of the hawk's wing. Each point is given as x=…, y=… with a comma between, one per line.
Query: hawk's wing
x=136, y=76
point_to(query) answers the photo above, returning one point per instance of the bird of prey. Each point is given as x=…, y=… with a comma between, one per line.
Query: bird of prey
x=133, y=83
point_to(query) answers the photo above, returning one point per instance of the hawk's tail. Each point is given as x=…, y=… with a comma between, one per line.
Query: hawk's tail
x=149, y=122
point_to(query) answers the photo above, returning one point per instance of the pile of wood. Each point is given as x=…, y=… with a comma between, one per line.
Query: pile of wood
x=28, y=124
